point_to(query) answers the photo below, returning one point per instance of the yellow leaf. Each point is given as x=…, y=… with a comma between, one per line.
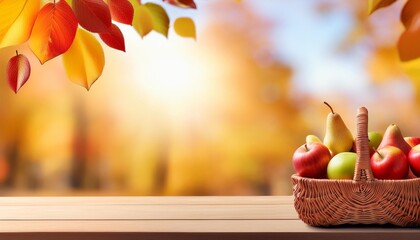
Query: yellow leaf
x=374, y=5
x=185, y=27
x=142, y=21
x=148, y=17
x=16, y=20
x=159, y=17
x=84, y=60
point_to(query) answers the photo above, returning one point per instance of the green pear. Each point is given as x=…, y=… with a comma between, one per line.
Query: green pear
x=338, y=137
x=312, y=138
x=394, y=137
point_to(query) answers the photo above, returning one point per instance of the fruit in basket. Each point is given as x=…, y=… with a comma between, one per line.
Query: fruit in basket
x=338, y=137
x=311, y=160
x=312, y=138
x=412, y=141
x=389, y=162
x=342, y=165
x=394, y=137
x=414, y=160
x=375, y=138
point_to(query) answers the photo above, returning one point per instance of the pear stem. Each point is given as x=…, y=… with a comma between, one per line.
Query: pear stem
x=332, y=111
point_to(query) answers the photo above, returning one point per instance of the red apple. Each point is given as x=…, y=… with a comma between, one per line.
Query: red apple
x=389, y=162
x=412, y=141
x=414, y=160
x=311, y=160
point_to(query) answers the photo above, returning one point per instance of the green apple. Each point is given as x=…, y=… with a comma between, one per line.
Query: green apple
x=342, y=165
x=375, y=138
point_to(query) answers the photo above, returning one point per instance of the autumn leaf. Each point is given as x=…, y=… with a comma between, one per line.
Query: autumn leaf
x=182, y=3
x=374, y=5
x=93, y=15
x=185, y=27
x=18, y=71
x=16, y=20
x=85, y=60
x=160, y=18
x=53, y=31
x=142, y=21
x=410, y=11
x=114, y=38
x=121, y=11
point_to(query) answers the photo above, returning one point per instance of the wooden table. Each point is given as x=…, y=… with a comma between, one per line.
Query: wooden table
x=265, y=217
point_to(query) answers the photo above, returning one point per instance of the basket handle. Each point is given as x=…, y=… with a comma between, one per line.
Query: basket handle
x=363, y=171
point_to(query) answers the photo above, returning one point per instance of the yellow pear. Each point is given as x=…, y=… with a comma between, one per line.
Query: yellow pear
x=338, y=137
x=312, y=138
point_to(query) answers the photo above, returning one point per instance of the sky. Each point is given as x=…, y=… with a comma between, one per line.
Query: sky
x=306, y=40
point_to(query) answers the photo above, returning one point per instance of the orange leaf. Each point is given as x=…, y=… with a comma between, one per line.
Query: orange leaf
x=85, y=60
x=16, y=20
x=121, y=11
x=18, y=71
x=408, y=47
x=185, y=27
x=53, y=31
x=182, y=3
x=410, y=11
x=114, y=38
x=374, y=5
x=93, y=15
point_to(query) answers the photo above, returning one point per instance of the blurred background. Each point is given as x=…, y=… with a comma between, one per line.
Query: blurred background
x=221, y=115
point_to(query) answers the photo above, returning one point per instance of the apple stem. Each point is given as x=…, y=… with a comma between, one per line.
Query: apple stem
x=17, y=53
x=306, y=147
x=332, y=111
x=376, y=150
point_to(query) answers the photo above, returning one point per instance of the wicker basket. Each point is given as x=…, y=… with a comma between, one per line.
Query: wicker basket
x=363, y=200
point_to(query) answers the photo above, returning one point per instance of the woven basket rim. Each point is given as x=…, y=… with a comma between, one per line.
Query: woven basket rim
x=297, y=177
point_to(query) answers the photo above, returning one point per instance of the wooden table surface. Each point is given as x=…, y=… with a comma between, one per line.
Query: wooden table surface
x=263, y=217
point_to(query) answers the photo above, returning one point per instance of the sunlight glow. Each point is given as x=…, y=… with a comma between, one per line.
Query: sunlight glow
x=174, y=79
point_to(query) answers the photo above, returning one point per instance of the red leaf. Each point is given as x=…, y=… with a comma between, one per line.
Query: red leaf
x=18, y=71
x=182, y=3
x=121, y=11
x=93, y=15
x=53, y=32
x=114, y=38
